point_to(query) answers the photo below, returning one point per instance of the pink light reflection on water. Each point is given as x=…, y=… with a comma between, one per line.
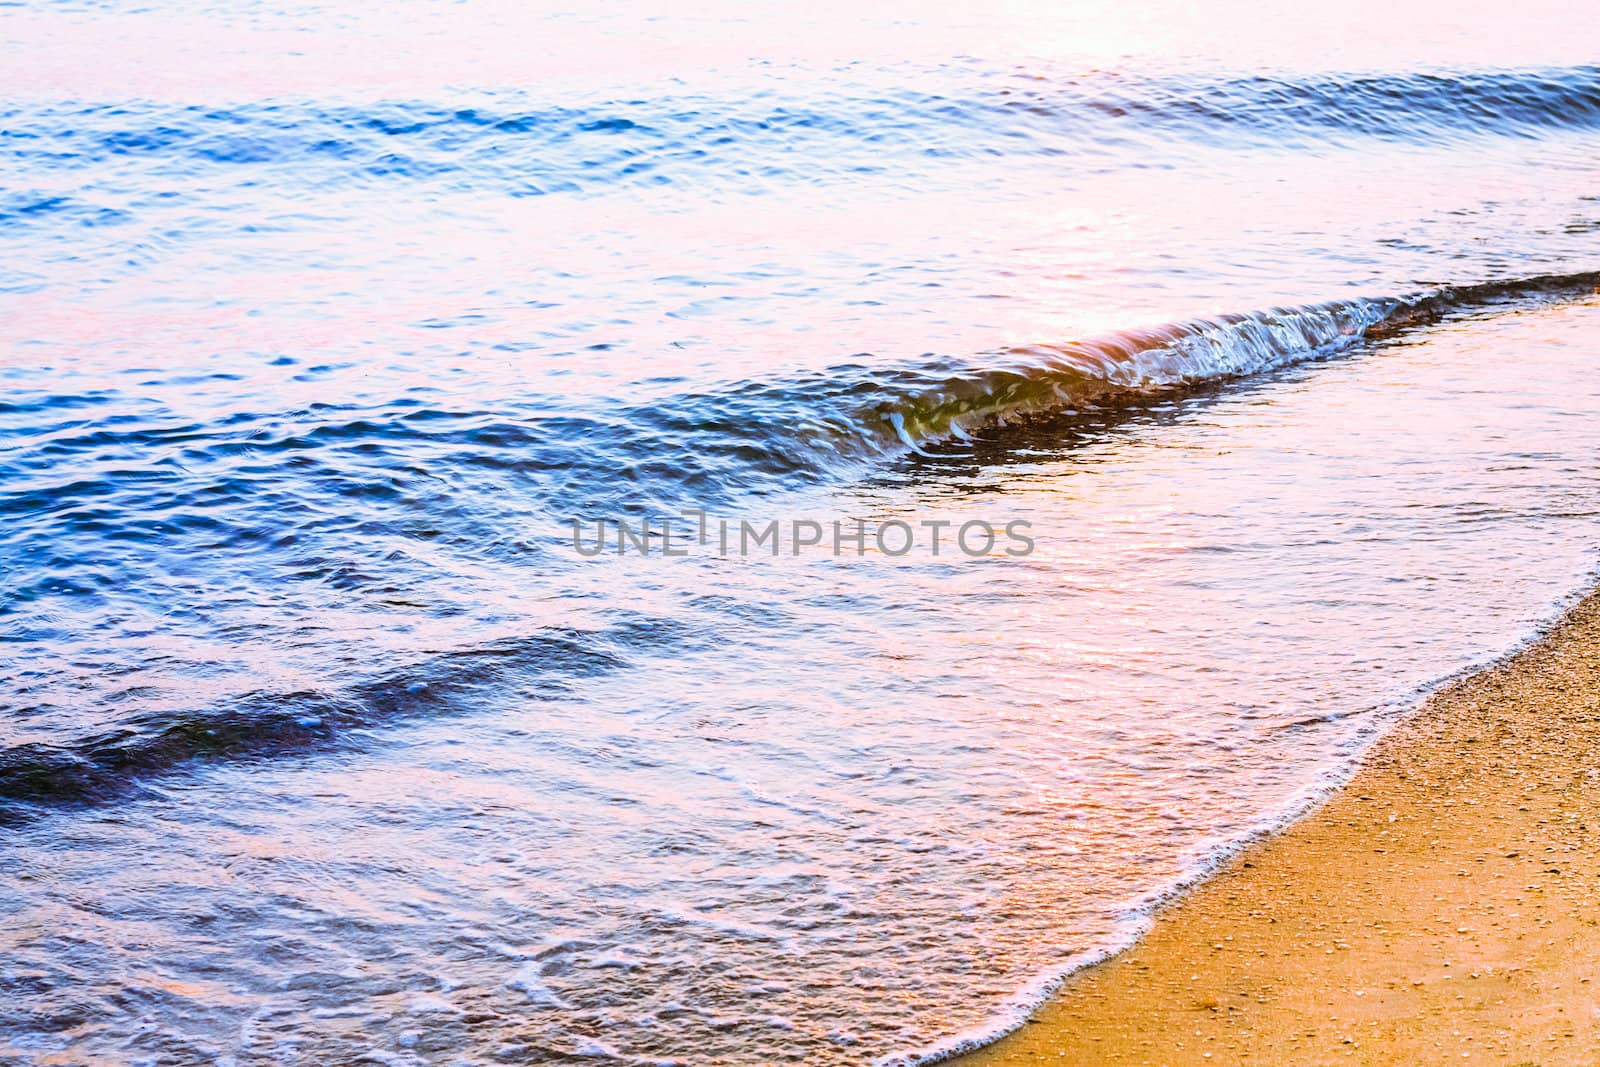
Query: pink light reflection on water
x=209, y=52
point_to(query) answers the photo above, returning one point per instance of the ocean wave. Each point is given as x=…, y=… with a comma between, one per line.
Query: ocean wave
x=869, y=411
x=122, y=755
x=1047, y=378
x=84, y=514
x=707, y=447
x=1421, y=106
x=756, y=139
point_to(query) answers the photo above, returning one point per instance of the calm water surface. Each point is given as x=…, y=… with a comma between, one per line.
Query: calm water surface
x=321, y=743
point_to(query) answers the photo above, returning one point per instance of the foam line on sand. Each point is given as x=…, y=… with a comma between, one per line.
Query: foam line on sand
x=1442, y=907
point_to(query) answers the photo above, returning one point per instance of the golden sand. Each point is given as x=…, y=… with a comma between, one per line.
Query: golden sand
x=1443, y=908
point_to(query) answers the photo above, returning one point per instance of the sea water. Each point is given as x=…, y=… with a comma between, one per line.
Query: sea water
x=334, y=332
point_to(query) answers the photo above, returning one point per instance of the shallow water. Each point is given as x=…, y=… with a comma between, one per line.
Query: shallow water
x=321, y=739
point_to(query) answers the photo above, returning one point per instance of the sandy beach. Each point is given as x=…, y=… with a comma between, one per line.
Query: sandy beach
x=1441, y=908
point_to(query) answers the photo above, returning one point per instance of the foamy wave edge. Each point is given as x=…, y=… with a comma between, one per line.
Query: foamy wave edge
x=1014, y=1012
x=916, y=408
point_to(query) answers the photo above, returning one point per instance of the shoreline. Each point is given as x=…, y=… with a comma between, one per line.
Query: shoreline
x=1443, y=904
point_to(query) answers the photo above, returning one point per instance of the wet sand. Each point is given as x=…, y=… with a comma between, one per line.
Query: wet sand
x=1444, y=907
